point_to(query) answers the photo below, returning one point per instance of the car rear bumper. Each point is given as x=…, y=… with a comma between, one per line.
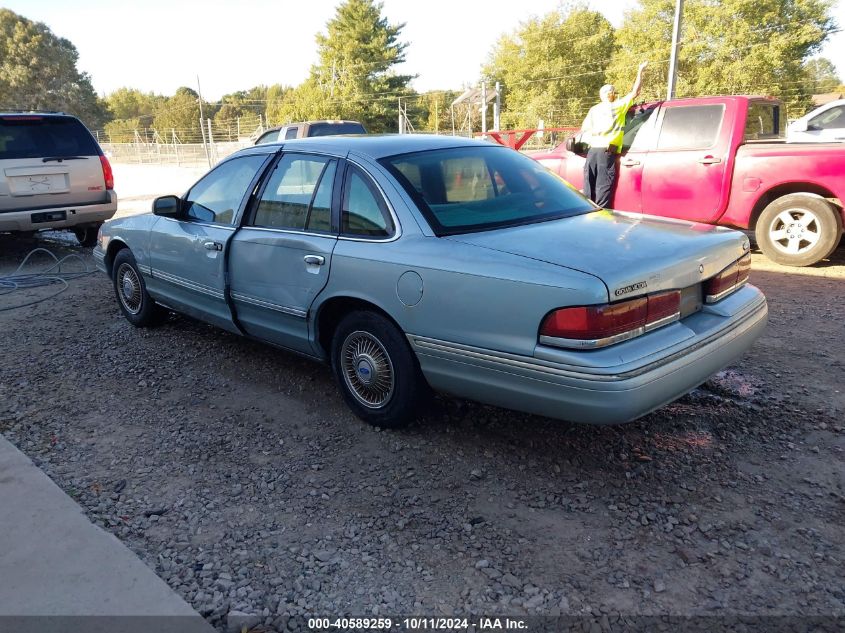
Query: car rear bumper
x=74, y=216
x=598, y=391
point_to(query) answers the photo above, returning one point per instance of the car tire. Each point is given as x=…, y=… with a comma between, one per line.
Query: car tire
x=135, y=302
x=378, y=374
x=798, y=229
x=87, y=235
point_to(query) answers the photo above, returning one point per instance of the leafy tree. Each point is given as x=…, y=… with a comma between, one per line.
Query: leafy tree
x=821, y=75
x=38, y=71
x=241, y=112
x=551, y=67
x=727, y=46
x=353, y=78
x=276, y=96
x=431, y=112
x=181, y=114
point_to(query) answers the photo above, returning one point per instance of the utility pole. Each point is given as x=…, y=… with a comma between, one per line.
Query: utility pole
x=676, y=44
x=202, y=129
x=497, y=108
x=483, y=107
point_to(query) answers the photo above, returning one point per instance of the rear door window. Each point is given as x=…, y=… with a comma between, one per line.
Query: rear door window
x=40, y=136
x=298, y=195
x=690, y=127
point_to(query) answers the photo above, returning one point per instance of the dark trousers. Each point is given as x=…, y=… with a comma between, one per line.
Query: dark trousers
x=599, y=175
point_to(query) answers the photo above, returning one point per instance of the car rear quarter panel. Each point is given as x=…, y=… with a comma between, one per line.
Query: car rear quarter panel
x=469, y=295
x=766, y=171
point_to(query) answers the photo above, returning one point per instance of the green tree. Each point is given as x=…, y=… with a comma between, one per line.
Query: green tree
x=240, y=112
x=551, y=67
x=38, y=71
x=727, y=46
x=821, y=75
x=129, y=110
x=353, y=78
x=276, y=96
x=181, y=114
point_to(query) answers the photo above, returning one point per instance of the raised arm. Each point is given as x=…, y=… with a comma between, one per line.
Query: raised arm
x=635, y=90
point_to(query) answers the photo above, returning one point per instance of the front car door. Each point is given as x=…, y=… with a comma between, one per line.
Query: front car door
x=686, y=174
x=188, y=253
x=281, y=257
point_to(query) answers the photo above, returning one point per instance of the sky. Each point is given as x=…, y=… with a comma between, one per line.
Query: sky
x=159, y=45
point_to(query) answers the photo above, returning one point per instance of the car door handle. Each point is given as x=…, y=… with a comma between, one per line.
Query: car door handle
x=709, y=160
x=212, y=246
x=629, y=162
x=314, y=260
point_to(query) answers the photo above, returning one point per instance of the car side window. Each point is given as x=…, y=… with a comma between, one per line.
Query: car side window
x=298, y=194
x=638, y=127
x=690, y=127
x=217, y=197
x=291, y=132
x=364, y=212
x=829, y=120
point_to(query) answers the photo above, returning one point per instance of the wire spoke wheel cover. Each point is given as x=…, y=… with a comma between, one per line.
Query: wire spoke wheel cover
x=367, y=369
x=129, y=289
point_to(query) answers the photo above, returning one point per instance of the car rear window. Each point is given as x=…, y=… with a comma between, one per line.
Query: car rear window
x=470, y=189
x=328, y=129
x=38, y=136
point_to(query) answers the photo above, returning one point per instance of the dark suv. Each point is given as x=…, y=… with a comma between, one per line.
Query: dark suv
x=310, y=128
x=53, y=175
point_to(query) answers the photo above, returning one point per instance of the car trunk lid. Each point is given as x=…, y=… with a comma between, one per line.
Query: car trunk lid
x=632, y=254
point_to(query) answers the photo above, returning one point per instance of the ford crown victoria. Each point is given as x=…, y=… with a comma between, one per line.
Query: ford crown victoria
x=409, y=262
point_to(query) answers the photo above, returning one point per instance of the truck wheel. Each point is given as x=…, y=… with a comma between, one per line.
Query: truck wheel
x=87, y=235
x=135, y=302
x=376, y=370
x=798, y=229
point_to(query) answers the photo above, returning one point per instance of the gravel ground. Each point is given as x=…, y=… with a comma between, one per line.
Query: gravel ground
x=236, y=472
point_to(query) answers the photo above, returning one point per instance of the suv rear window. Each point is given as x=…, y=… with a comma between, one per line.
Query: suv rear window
x=38, y=136
x=328, y=129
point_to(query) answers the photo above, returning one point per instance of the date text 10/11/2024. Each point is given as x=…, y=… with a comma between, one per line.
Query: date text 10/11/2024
x=417, y=624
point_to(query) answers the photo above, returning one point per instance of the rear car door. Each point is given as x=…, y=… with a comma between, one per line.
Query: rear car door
x=48, y=161
x=281, y=257
x=686, y=174
x=188, y=253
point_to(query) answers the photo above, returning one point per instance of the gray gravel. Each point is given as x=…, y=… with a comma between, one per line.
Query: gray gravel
x=235, y=472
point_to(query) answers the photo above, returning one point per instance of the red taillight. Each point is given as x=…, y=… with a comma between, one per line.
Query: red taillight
x=108, y=174
x=730, y=279
x=597, y=326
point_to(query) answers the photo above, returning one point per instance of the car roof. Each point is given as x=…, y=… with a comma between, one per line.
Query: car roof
x=39, y=113
x=375, y=145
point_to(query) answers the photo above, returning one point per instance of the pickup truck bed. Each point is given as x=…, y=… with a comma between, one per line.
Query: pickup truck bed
x=707, y=160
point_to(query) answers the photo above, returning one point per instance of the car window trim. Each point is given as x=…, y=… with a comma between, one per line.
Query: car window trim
x=397, y=226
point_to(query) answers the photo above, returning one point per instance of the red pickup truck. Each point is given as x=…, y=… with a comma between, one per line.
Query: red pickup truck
x=723, y=160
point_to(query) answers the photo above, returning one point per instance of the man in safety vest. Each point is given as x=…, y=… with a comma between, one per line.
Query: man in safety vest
x=603, y=131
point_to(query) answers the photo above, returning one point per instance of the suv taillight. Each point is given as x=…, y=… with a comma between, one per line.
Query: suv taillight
x=730, y=279
x=108, y=174
x=589, y=327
